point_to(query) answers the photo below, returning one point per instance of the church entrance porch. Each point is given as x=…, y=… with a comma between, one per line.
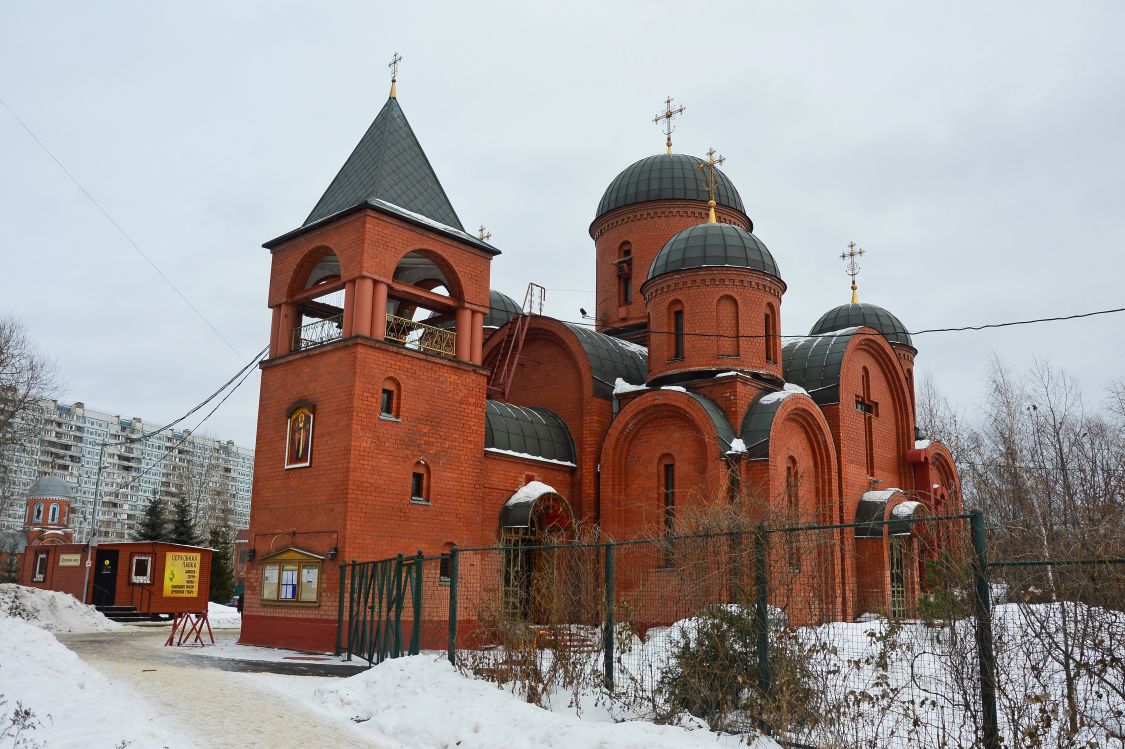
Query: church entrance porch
x=533, y=523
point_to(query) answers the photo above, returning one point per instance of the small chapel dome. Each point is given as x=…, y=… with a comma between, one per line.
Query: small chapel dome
x=861, y=313
x=50, y=487
x=713, y=245
x=674, y=176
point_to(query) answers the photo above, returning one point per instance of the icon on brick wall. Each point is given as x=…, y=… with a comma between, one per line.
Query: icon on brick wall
x=298, y=441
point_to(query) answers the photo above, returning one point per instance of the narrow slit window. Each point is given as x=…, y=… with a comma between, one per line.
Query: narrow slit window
x=678, y=334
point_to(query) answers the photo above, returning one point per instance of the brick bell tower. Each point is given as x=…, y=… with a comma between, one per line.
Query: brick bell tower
x=370, y=422
x=641, y=209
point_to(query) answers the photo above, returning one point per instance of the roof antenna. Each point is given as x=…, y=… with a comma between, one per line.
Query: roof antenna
x=667, y=115
x=851, y=266
x=395, y=60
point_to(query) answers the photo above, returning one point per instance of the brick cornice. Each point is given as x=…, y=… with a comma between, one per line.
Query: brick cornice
x=712, y=277
x=663, y=209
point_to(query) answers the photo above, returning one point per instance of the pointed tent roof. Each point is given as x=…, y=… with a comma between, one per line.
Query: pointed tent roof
x=389, y=165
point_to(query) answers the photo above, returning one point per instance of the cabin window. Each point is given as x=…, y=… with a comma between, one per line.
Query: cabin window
x=142, y=569
x=291, y=581
x=40, y=567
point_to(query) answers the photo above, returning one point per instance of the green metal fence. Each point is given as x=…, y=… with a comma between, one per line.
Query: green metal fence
x=752, y=630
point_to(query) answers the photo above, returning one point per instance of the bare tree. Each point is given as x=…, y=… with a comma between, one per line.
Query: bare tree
x=27, y=378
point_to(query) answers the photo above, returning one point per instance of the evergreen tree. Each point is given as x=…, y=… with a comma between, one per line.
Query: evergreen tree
x=183, y=529
x=222, y=570
x=154, y=521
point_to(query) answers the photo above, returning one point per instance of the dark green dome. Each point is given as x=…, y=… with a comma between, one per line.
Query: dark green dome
x=713, y=245
x=502, y=308
x=861, y=313
x=674, y=176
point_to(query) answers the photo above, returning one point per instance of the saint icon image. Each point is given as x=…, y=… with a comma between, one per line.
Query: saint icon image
x=298, y=441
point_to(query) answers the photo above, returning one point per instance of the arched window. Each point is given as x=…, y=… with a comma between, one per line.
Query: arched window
x=624, y=274
x=390, y=399
x=666, y=477
x=37, y=517
x=53, y=515
x=420, y=483
x=770, y=334
x=792, y=512
x=676, y=326
x=726, y=315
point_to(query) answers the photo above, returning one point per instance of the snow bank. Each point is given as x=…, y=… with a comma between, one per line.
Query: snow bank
x=397, y=699
x=51, y=610
x=223, y=617
x=74, y=705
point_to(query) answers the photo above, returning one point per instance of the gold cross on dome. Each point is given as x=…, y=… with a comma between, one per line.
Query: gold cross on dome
x=483, y=234
x=852, y=266
x=667, y=115
x=393, y=65
x=712, y=183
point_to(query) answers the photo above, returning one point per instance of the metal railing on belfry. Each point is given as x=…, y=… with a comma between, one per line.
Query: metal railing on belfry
x=421, y=337
x=318, y=333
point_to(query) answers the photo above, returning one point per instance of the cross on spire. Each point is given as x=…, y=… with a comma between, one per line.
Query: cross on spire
x=709, y=167
x=393, y=65
x=852, y=267
x=667, y=115
x=483, y=234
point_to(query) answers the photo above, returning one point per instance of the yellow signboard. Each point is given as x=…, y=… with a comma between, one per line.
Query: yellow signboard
x=70, y=560
x=181, y=574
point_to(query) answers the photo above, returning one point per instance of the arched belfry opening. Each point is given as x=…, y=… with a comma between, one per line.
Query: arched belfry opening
x=533, y=522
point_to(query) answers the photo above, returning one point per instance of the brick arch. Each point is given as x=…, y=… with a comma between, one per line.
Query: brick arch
x=945, y=468
x=305, y=267
x=453, y=279
x=651, y=427
x=548, y=331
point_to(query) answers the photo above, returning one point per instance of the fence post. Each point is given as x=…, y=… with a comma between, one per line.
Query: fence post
x=987, y=657
x=351, y=609
x=609, y=623
x=454, y=556
x=761, y=609
x=340, y=609
x=416, y=633
x=397, y=593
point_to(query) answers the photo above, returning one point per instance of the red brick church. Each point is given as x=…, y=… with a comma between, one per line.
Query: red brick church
x=404, y=403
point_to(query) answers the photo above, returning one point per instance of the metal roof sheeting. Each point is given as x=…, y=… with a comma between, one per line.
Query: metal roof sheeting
x=861, y=313
x=674, y=176
x=814, y=364
x=713, y=245
x=611, y=358
x=535, y=432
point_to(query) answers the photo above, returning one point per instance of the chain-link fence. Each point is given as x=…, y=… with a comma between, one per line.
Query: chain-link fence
x=763, y=630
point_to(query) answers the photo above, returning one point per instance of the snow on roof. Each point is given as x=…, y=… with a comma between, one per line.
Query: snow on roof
x=905, y=509
x=791, y=387
x=530, y=492
x=737, y=446
x=677, y=388
x=769, y=398
x=529, y=456
x=922, y=444
x=635, y=347
x=620, y=387
x=883, y=495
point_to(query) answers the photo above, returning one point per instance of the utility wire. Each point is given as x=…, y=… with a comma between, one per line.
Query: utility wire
x=117, y=226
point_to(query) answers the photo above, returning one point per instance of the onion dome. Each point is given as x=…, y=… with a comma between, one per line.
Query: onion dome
x=713, y=245
x=674, y=176
x=50, y=487
x=501, y=309
x=861, y=313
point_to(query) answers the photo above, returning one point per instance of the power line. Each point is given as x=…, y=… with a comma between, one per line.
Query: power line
x=117, y=226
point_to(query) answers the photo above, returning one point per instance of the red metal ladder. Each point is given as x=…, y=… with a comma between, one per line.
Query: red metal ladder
x=504, y=366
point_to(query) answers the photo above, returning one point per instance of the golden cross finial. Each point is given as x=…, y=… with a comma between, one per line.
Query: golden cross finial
x=393, y=65
x=851, y=266
x=667, y=115
x=709, y=167
x=484, y=235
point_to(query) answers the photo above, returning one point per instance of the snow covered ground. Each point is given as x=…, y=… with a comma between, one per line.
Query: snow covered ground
x=223, y=617
x=51, y=610
x=72, y=704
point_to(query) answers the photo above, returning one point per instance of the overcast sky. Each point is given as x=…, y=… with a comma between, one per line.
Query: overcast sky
x=976, y=150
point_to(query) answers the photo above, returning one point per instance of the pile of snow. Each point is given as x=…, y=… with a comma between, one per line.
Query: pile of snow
x=620, y=387
x=396, y=700
x=72, y=704
x=223, y=617
x=737, y=446
x=51, y=610
x=530, y=492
